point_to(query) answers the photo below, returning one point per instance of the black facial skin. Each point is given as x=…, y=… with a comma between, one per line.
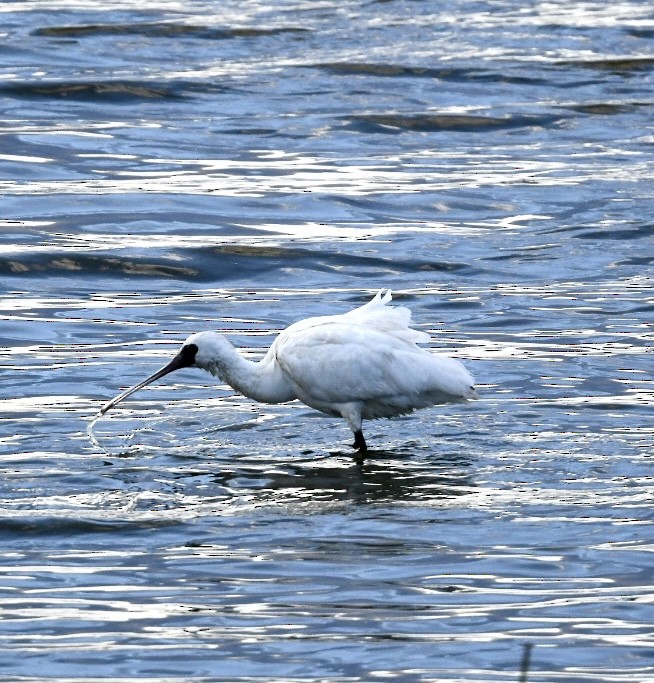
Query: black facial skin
x=186, y=356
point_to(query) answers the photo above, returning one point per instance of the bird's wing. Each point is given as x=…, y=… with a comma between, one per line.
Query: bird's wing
x=394, y=320
x=339, y=361
x=377, y=315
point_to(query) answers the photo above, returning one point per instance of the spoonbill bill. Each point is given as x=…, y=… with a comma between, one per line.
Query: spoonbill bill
x=360, y=365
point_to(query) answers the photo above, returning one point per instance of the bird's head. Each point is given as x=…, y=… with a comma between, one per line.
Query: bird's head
x=207, y=349
x=203, y=350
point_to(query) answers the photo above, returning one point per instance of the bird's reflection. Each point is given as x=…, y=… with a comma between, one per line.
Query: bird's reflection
x=381, y=476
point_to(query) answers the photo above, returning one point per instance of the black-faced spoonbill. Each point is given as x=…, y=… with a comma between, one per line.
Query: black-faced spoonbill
x=361, y=365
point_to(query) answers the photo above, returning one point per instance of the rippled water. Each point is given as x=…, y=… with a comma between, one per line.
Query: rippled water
x=167, y=168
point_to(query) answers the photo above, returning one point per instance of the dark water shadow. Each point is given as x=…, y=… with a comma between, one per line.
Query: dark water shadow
x=462, y=123
x=116, y=91
x=224, y=262
x=161, y=29
x=455, y=74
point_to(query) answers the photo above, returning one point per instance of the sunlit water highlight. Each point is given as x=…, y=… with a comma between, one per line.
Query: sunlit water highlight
x=169, y=168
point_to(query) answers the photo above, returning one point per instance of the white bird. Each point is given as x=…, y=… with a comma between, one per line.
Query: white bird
x=361, y=365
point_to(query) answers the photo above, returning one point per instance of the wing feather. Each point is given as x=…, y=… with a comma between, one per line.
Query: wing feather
x=394, y=320
x=339, y=362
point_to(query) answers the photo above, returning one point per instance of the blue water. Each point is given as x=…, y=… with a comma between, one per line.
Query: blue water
x=169, y=168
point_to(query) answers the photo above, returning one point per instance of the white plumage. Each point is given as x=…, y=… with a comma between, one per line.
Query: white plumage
x=361, y=365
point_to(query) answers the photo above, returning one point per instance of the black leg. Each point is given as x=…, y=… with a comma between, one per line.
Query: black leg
x=359, y=442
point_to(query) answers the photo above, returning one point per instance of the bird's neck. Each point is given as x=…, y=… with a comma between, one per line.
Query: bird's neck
x=262, y=381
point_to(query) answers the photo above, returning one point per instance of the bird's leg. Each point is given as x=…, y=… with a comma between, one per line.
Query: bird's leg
x=359, y=442
x=352, y=414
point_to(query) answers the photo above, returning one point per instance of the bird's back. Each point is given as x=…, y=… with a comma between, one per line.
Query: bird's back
x=368, y=356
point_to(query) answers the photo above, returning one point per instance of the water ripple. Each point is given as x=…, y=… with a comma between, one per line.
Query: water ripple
x=167, y=169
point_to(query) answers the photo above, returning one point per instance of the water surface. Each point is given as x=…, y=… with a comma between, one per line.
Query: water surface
x=166, y=169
